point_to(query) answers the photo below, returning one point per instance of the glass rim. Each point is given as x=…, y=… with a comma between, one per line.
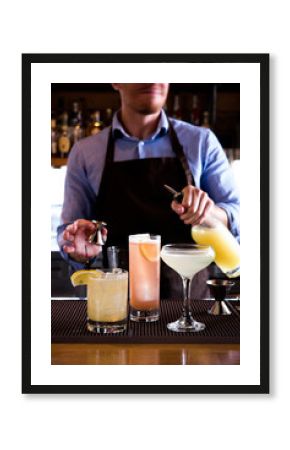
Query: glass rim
x=187, y=246
x=144, y=237
x=121, y=274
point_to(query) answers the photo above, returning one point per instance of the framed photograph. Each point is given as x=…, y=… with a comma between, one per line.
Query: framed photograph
x=213, y=129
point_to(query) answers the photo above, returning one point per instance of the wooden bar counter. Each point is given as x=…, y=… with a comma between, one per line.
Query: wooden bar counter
x=168, y=354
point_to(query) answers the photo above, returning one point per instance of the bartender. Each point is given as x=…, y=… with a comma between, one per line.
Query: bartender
x=118, y=177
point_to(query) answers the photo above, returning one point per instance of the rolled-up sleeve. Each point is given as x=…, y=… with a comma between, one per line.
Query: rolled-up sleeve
x=79, y=199
x=218, y=181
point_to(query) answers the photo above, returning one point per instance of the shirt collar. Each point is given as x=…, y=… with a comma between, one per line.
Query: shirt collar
x=161, y=130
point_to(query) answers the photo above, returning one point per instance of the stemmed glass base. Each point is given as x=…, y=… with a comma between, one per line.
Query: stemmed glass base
x=185, y=324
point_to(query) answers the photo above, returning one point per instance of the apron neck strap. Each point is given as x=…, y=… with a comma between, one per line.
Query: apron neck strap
x=178, y=150
x=110, y=147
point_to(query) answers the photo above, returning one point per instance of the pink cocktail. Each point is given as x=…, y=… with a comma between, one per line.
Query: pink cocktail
x=144, y=277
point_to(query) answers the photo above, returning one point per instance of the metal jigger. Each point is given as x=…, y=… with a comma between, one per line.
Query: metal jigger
x=219, y=290
x=97, y=237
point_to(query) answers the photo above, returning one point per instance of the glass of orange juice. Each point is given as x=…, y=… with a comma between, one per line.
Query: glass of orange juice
x=226, y=247
x=144, y=277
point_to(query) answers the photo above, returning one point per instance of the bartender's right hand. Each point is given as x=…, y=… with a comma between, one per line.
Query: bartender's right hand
x=77, y=243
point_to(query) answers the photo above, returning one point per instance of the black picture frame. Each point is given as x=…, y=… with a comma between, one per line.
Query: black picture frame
x=263, y=61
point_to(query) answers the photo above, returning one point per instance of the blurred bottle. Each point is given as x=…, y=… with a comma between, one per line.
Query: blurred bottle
x=54, y=136
x=108, y=117
x=59, y=111
x=95, y=124
x=195, y=111
x=205, y=120
x=76, y=129
x=64, y=142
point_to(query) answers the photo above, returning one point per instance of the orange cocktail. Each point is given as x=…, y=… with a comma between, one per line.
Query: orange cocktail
x=144, y=277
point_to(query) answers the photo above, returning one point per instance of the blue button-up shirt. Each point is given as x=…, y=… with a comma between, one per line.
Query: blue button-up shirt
x=206, y=158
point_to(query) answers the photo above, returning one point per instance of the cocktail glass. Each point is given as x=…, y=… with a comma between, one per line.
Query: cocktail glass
x=107, y=306
x=107, y=298
x=144, y=272
x=187, y=260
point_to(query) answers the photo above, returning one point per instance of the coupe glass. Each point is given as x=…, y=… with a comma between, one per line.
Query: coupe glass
x=187, y=260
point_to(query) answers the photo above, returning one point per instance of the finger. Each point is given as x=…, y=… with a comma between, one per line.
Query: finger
x=196, y=200
x=198, y=211
x=67, y=236
x=92, y=251
x=85, y=224
x=194, y=207
x=88, y=252
x=188, y=213
x=68, y=249
x=204, y=215
x=204, y=201
x=187, y=196
x=177, y=208
x=69, y=231
x=82, y=245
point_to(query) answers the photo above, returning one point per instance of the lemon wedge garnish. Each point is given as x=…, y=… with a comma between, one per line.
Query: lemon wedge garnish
x=149, y=251
x=82, y=276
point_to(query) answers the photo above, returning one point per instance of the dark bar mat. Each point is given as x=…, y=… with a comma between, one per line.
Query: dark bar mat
x=68, y=324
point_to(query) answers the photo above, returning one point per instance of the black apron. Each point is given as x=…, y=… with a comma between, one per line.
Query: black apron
x=132, y=200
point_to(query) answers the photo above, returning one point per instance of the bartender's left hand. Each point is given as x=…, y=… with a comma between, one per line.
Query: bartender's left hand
x=196, y=206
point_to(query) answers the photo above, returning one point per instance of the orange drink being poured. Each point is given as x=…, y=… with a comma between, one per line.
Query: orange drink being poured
x=226, y=247
x=144, y=277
